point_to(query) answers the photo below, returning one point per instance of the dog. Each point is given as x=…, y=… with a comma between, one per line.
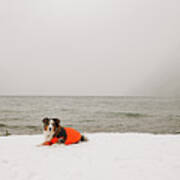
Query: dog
x=55, y=133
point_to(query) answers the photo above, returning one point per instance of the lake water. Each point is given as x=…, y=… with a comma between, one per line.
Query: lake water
x=23, y=115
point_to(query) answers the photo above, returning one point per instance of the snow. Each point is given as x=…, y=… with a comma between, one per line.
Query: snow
x=105, y=156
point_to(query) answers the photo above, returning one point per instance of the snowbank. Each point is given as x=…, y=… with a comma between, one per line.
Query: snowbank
x=106, y=156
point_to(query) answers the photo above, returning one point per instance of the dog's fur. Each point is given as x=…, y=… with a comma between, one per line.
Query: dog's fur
x=52, y=128
x=51, y=125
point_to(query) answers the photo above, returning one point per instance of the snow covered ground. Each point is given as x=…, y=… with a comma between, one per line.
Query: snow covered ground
x=106, y=156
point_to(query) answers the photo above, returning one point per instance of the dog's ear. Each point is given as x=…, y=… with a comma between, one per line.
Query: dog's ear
x=45, y=120
x=57, y=121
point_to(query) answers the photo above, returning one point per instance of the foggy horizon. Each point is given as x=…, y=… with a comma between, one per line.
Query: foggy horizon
x=90, y=48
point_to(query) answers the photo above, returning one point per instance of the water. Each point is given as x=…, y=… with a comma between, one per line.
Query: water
x=23, y=115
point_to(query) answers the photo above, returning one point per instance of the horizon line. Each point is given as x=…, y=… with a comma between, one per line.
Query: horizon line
x=105, y=95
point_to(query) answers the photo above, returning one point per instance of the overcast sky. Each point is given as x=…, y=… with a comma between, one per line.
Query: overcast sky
x=90, y=47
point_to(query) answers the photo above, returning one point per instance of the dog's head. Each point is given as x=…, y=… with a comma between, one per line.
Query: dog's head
x=50, y=126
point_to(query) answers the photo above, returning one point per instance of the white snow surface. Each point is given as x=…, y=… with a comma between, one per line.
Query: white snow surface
x=105, y=156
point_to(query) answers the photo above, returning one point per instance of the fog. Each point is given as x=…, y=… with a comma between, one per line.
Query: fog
x=90, y=47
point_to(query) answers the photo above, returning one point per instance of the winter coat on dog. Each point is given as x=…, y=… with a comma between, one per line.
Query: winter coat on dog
x=67, y=136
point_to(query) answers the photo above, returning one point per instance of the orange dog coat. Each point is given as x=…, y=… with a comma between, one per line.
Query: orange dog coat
x=73, y=136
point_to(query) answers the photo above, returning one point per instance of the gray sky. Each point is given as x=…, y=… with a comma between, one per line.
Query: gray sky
x=90, y=47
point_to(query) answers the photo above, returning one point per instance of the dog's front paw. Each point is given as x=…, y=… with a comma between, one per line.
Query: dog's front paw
x=47, y=143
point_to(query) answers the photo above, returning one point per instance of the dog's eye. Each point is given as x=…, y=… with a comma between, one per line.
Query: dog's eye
x=46, y=123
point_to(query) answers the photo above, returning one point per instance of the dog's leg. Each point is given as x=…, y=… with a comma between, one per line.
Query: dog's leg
x=84, y=139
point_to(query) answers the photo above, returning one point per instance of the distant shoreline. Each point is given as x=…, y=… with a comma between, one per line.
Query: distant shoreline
x=13, y=95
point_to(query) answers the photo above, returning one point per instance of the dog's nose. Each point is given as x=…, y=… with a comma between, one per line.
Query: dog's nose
x=50, y=129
